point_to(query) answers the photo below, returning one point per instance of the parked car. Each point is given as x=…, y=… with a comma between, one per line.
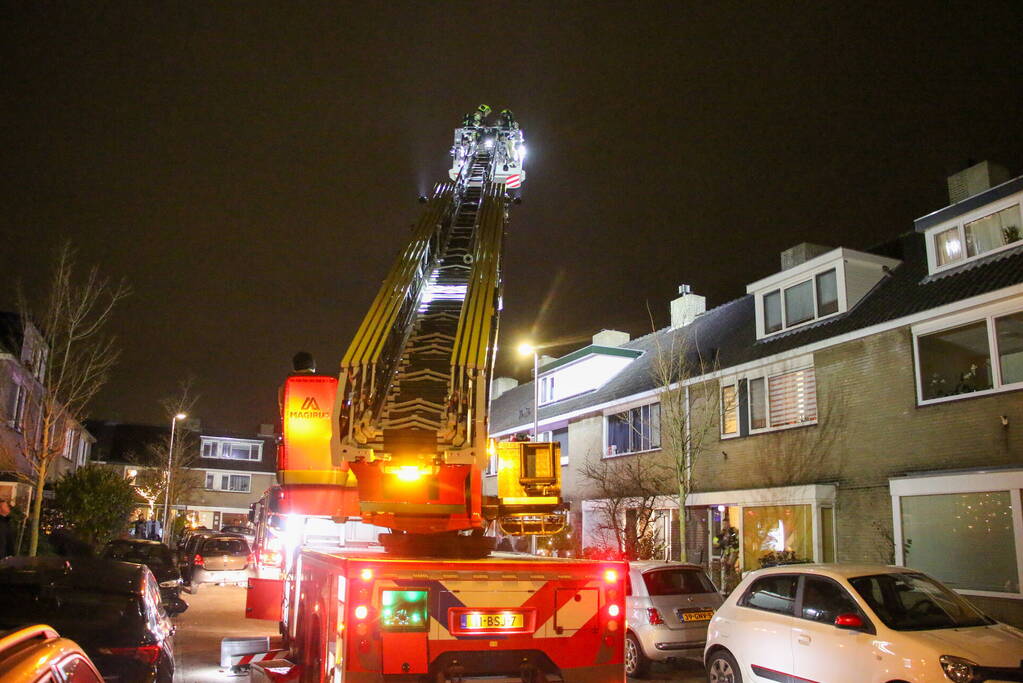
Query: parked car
x=188, y=549
x=37, y=654
x=220, y=558
x=112, y=609
x=160, y=560
x=667, y=606
x=856, y=624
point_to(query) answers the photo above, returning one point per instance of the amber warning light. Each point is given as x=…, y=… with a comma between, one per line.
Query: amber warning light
x=307, y=416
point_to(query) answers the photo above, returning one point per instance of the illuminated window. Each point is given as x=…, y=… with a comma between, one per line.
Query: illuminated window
x=973, y=238
x=235, y=483
x=765, y=401
x=729, y=410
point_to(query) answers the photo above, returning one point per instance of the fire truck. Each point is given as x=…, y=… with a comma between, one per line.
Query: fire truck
x=398, y=440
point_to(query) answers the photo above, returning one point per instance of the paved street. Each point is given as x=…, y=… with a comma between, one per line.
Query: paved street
x=214, y=612
x=685, y=672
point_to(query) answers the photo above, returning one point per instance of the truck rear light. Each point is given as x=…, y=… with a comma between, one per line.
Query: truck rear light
x=361, y=612
x=198, y=561
x=653, y=617
x=611, y=576
x=613, y=610
x=147, y=654
x=366, y=574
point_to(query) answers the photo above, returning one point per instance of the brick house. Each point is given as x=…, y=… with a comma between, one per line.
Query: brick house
x=869, y=406
x=231, y=470
x=23, y=355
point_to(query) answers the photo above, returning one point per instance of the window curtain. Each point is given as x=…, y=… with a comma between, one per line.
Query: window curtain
x=776, y=534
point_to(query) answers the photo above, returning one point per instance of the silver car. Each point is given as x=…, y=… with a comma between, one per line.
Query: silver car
x=221, y=558
x=668, y=607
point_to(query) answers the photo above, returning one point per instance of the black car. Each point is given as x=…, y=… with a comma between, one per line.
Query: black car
x=159, y=559
x=112, y=609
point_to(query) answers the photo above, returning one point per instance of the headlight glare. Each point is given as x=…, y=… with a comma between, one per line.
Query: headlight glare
x=957, y=669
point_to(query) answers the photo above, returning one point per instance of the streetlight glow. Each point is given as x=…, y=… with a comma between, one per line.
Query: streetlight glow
x=525, y=348
x=180, y=416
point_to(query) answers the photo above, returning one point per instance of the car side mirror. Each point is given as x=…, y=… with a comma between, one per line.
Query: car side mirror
x=849, y=621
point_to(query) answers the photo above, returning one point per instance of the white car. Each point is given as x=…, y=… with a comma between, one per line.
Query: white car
x=856, y=624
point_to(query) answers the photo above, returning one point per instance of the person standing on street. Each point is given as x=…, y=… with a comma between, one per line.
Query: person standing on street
x=6, y=530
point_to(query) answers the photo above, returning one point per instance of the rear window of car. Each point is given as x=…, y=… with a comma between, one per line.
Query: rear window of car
x=775, y=593
x=141, y=553
x=225, y=546
x=677, y=582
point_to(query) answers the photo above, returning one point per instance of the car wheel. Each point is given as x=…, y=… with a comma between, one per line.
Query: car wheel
x=722, y=668
x=637, y=665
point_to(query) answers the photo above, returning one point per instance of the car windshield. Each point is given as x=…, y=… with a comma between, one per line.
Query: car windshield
x=914, y=602
x=152, y=554
x=225, y=546
x=673, y=581
x=74, y=611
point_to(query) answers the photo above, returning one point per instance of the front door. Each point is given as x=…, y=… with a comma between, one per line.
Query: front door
x=765, y=638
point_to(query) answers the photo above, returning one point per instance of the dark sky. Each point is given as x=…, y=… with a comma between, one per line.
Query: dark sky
x=252, y=169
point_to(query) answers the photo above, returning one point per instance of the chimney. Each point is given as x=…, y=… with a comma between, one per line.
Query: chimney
x=502, y=385
x=545, y=360
x=266, y=430
x=610, y=338
x=801, y=253
x=975, y=179
x=686, y=307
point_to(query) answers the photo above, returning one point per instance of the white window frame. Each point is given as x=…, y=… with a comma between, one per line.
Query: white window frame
x=17, y=421
x=987, y=315
x=626, y=409
x=221, y=441
x=69, y=442
x=811, y=277
x=974, y=482
x=764, y=373
x=218, y=481
x=959, y=222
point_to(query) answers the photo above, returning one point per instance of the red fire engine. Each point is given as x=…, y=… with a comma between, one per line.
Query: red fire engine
x=399, y=441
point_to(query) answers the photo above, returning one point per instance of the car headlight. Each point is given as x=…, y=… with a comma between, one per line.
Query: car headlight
x=957, y=669
x=170, y=584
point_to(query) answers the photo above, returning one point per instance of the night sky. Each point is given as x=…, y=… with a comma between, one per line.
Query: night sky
x=252, y=170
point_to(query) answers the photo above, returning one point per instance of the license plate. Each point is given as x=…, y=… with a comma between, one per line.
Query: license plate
x=697, y=616
x=491, y=622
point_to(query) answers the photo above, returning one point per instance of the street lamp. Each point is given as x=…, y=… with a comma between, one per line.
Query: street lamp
x=525, y=349
x=170, y=456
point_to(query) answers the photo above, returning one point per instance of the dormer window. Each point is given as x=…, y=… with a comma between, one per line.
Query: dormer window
x=827, y=284
x=976, y=236
x=803, y=302
x=983, y=219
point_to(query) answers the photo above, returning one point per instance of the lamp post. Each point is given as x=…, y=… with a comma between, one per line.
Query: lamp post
x=525, y=349
x=170, y=457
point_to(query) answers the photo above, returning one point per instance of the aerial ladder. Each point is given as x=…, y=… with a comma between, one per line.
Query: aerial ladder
x=406, y=420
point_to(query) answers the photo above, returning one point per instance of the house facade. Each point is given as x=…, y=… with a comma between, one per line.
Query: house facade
x=859, y=406
x=226, y=471
x=23, y=364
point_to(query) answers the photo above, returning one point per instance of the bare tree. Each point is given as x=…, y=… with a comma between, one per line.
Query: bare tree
x=628, y=492
x=73, y=321
x=689, y=410
x=151, y=481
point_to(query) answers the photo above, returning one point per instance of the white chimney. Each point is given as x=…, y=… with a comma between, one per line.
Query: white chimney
x=545, y=360
x=501, y=385
x=610, y=338
x=686, y=307
x=975, y=179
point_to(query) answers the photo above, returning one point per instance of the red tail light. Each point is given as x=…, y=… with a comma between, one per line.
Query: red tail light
x=198, y=561
x=147, y=654
x=653, y=616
